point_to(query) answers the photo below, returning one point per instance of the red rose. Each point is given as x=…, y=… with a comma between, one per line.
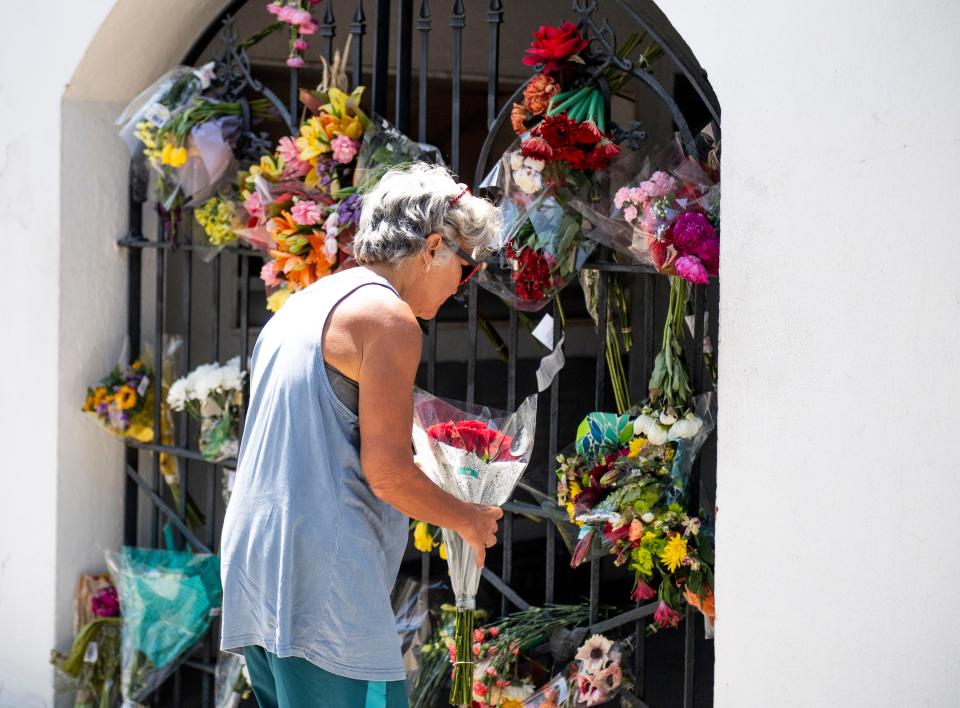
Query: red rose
x=554, y=45
x=537, y=147
x=556, y=130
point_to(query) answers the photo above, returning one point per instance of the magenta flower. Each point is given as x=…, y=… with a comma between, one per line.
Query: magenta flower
x=269, y=274
x=105, y=602
x=301, y=45
x=690, y=230
x=692, y=269
x=300, y=17
x=307, y=213
x=665, y=616
x=344, y=149
x=308, y=28
x=709, y=252
x=295, y=62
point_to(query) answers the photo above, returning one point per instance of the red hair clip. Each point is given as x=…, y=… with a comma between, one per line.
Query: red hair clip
x=466, y=190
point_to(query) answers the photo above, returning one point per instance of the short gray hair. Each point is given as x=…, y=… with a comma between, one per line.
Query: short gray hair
x=413, y=201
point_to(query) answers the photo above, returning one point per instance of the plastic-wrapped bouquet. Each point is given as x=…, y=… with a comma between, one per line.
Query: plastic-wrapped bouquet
x=212, y=394
x=122, y=402
x=624, y=484
x=477, y=455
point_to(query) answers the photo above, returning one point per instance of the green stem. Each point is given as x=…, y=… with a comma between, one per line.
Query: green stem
x=598, y=109
x=461, y=694
x=563, y=105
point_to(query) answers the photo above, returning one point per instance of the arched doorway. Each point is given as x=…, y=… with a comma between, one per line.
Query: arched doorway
x=452, y=87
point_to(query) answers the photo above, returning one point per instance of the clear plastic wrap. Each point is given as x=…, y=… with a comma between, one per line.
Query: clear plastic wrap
x=667, y=216
x=384, y=147
x=230, y=683
x=541, y=246
x=167, y=599
x=477, y=455
x=212, y=394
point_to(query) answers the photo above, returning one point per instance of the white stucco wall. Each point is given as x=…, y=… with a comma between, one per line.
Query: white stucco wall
x=838, y=476
x=837, y=480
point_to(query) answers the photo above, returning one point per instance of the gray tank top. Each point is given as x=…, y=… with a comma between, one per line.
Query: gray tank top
x=309, y=555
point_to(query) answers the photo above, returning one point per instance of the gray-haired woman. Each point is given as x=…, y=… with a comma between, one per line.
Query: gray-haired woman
x=317, y=523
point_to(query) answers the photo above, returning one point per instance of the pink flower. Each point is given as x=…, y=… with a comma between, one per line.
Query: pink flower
x=665, y=616
x=308, y=28
x=344, y=149
x=479, y=689
x=494, y=632
x=105, y=602
x=610, y=678
x=691, y=268
x=300, y=17
x=301, y=45
x=502, y=683
x=642, y=591
x=478, y=635
x=630, y=213
x=295, y=62
x=690, y=230
x=490, y=671
x=621, y=196
x=306, y=213
x=254, y=205
x=269, y=274
x=274, y=9
x=285, y=14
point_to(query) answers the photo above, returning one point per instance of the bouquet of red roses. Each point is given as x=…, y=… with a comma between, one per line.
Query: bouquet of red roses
x=477, y=455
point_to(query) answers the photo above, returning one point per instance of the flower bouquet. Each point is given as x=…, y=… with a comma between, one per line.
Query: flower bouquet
x=592, y=679
x=477, y=455
x=541, y=246
x=122, y=402
x=186, y=133
x=167, y=599
x=212, y=394
x=624, y=485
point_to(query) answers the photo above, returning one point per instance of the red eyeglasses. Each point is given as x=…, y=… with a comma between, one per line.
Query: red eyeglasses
x=469, y=270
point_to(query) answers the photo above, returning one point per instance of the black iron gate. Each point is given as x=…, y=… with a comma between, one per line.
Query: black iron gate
x=217, y=308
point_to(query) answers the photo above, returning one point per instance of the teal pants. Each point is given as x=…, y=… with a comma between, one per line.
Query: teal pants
x=293, y=682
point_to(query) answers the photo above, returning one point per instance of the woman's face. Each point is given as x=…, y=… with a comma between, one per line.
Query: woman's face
x=440, y=273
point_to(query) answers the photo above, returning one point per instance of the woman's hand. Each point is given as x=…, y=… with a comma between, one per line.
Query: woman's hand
x=479, y=529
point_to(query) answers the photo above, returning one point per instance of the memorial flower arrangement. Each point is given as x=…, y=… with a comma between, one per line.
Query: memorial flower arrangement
x=624, y=484
x=122, y=402
x=187, y=134
x=477, y=455
x=563, y=141
x=212, y=394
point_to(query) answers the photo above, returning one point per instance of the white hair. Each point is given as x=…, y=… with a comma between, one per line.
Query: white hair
x=416, y=200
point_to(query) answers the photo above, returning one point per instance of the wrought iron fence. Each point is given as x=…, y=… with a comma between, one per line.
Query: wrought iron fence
x=210, y=303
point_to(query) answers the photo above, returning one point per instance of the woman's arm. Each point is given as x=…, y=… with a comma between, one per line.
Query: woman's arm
x=390, y=354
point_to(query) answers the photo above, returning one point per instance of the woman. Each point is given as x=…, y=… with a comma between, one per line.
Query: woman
x=317, y=522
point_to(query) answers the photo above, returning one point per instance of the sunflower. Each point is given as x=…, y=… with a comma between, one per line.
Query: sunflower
x=99, y=396
x=636, y=445
x=127, y=398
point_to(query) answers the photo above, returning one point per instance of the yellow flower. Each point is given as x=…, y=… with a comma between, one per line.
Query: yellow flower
x=276, y=300
x=98, y=396
x=669, y=454
x=674, y=552
x=511, y=703
x=270, y=167
x=443, y=551
x=636, y=445
x=422, y=538
x=127, y=398
x=313, y=139
x=173, y=154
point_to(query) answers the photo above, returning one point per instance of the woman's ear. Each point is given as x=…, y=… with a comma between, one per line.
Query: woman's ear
x=434, y=246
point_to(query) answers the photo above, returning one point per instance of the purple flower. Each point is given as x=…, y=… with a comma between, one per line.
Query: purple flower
x=690, y=268
x=105, y=602
x=295, y=62
x=690, y=230
x=301, y=45
x=349, y=211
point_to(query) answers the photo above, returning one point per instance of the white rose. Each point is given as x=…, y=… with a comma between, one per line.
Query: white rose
x=668, y=416
x=656, y=434
x=686, y=427
x=641, y=424
x=534, y=164
x=177, y=395
x=528, y=180
x=516, y=160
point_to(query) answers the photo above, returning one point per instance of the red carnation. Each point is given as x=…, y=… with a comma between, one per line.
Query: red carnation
x=537, y=147
x=575, y=157
x=587, y=133
x=554, y=45
x=602, y=154
x=556, y=130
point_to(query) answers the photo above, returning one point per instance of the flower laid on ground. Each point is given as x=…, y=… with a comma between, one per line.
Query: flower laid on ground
x=478, y=456
x=212, y=394
x=624, y=484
